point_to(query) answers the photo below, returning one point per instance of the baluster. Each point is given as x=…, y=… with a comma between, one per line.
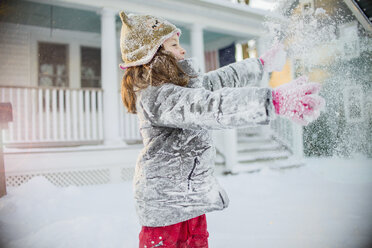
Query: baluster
x=54, y=116
x=100, y=114
x=33, y=114
x=75, y=114
x=68, y=114
x=47, y=113
x=2, y=94
x=41, y=115
x=133, y=127
x=121, y=114
x=11, y=124
x=61, y=115
x=94, y=114
x=81, y=114
x=18, y=116
x=26, y=109
x=126, y=126
x=87, y=114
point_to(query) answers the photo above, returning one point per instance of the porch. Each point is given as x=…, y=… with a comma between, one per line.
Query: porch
x=58, y=133
x=77, y=134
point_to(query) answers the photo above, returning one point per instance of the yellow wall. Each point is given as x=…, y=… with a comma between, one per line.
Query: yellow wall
x=285, y=76
x=279, y=78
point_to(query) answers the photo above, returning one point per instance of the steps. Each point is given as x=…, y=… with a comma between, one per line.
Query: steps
x=256, y=152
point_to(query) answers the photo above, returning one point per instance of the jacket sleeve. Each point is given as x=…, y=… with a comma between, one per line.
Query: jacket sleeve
x=197, y=108
x=248, y=72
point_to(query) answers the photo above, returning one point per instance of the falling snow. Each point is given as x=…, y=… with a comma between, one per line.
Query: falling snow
x=329, y=46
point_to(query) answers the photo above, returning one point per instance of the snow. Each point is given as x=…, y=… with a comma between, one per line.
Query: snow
x=325, y=203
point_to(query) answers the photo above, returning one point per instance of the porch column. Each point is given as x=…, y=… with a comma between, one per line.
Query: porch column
x=110, y=83
x=197, y=44
x=230, y=138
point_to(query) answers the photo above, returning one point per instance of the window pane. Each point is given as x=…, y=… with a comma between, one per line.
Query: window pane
x=90, y=67
x=52, y=64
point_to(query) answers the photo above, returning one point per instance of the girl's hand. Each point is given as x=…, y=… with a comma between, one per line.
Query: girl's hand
x=298, y=100
x=274, y=59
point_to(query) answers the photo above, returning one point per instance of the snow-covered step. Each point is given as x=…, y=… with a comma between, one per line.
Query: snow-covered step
x=274, y=165
x=250, y=130
x=262, y=155
x=248, y=134
x=254, y=146
x=253, y=139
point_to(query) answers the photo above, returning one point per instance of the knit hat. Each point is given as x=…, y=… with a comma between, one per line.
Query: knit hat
x=141, y=36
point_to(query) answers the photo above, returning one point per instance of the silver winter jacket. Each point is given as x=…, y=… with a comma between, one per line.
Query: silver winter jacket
x=174, y=178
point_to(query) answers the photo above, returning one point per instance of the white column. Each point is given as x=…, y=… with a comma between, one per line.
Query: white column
x=197, y=44
x=231, y=148
x=109, y=67
x=226, y=141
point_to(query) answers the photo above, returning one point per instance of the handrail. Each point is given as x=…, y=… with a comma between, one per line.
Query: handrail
x=44, y=115
x=51, y=87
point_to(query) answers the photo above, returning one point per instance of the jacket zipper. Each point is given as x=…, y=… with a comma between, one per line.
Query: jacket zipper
x=223, y=202
x=196, y=162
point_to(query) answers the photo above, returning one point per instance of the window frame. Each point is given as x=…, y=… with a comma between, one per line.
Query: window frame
x=349, y=39
x=81, y=46
x=54, y=76
x=303, y=3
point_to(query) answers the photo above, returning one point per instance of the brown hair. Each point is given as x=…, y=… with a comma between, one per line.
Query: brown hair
x=163, y=68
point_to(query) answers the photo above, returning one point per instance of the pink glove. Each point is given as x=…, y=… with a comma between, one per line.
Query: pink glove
x=274, y=59
x=298, y=101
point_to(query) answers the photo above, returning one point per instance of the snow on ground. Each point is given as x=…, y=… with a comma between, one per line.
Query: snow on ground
x=326, y=203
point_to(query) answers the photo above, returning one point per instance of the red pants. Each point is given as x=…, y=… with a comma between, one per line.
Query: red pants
x=187, y=234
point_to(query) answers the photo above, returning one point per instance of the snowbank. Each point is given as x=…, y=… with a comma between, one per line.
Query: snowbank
x=323, y=204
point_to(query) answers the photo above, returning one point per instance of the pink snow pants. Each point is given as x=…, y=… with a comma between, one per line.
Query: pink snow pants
x=187, y=234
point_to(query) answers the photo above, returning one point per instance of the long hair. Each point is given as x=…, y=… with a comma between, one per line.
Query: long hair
x=163, y=68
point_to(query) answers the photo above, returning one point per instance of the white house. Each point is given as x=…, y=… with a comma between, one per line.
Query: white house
x=59, y=69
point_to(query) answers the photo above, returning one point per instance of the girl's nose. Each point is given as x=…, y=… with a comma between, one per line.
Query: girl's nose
x=183, y=51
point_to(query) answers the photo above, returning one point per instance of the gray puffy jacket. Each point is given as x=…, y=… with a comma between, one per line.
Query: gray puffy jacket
x=174, y=178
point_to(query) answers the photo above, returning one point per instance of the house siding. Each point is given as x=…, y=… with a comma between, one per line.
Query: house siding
x=15, y=54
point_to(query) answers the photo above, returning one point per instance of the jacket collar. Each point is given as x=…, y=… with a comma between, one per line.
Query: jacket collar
x=190, y=66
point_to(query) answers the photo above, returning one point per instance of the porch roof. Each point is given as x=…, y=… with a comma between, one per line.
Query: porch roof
x=218, y=16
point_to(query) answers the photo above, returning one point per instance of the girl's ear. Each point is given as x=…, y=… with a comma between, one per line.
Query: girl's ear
x=124, y=19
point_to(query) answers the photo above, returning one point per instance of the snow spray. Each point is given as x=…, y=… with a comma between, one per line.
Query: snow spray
x=326, y=43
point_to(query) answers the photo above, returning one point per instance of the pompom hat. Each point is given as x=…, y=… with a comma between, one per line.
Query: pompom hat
x=141, y=36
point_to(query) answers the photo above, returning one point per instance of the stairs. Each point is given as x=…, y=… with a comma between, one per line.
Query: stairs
x=256, y=152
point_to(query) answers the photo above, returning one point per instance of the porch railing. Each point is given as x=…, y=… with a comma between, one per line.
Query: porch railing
x=53, y=115
x=129, y=128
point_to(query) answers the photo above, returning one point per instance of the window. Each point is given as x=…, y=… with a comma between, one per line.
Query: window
x=349, y=40
x=307, y=5
x=353, y=104
x=90, y=67
x=52, y=65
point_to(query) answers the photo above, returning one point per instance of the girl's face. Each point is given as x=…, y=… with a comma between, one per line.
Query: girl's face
x=173, y=45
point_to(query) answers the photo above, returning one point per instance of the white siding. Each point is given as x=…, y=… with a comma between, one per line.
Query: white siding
x=15, y=56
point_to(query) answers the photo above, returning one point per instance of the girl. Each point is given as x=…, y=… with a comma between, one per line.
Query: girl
x=174, y=183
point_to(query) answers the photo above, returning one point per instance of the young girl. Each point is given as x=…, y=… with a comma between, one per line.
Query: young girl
x=174, y=183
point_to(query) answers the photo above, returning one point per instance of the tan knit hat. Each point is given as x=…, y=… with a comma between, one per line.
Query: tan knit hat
x=141, y=36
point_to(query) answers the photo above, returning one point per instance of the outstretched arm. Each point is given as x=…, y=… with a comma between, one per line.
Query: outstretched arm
x=197, y=108
x=248, y=72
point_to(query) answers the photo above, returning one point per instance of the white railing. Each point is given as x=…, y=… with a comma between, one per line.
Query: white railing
x=289, y=134
x=53, y=115
x=129, y=128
